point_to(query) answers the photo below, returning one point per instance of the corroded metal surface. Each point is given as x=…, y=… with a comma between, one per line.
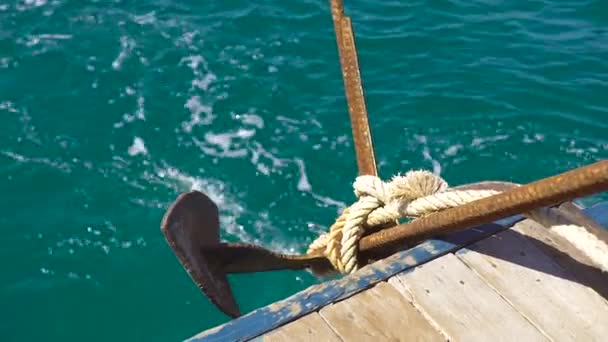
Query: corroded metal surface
x=362, y=137
x=191, y=227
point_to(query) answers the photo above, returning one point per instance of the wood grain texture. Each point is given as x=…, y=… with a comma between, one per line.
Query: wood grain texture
x=265, y=319
x=462, y=304
x=544, y=292
x=306, y=329
x=461, y=311
x=381, y=314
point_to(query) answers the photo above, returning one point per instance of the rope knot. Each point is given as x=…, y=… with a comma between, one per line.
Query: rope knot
x=416, y=184
x=371, y=186
x=416, y=193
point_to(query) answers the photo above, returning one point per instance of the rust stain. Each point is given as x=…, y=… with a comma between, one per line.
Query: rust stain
x=364, y=147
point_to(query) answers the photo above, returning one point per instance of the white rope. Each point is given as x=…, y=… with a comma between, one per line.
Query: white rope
x=595, y=249
x=583, y=240
x=414, y=194
x=445, y=200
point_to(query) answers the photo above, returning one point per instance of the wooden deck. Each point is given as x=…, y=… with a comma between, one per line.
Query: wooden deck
x=499, y=282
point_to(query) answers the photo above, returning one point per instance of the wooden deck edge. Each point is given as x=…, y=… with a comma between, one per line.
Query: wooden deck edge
x=267, y=318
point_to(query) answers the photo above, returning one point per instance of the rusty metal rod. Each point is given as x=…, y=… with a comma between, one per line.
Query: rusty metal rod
x=572, y=184
x=362, y=137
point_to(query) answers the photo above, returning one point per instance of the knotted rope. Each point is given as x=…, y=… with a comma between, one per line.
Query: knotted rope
x=412, y=195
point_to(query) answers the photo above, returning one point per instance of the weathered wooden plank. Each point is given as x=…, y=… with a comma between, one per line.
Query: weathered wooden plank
x=381, y=313
x=308, y=328
x=566, y=255
x=545, y=293
x=462, y=304
x=315, y=297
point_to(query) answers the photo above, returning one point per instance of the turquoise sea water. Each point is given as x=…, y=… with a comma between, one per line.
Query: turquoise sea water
x=110, y=109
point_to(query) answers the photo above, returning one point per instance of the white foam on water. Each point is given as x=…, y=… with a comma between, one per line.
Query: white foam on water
x=481, y=141
x=138, y=147
x=140, y=112
x=227, y=144
x=537, y=137
x=327, y=201
x=229, y=206
x=184, y=182
x=145, y=19
x=266, y=162
x=212, y=151
x=303, y=184
x=55, y=36
x=58, y=165
x=265, y=227
x=200, y=114
x=29, y=4
x=453, y=150
x=204, y=82
x=4, y=62
x=251, y=119
x=35, y=3
x=225, y=140
x=126, y=48
x=33, y=40
x=188, y=38
x=260, y=158
x=193, y=62
x=8, y=106
x=426, y=153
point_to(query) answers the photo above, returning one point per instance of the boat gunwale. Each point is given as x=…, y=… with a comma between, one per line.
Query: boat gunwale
x=315, y=297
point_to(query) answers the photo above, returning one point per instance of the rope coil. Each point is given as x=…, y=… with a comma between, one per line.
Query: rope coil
x=412, y=195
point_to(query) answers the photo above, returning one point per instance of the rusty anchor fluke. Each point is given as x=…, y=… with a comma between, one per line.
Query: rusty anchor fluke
x=191, y=227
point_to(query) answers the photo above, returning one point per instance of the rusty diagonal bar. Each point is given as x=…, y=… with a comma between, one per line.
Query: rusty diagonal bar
x=362, y=137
